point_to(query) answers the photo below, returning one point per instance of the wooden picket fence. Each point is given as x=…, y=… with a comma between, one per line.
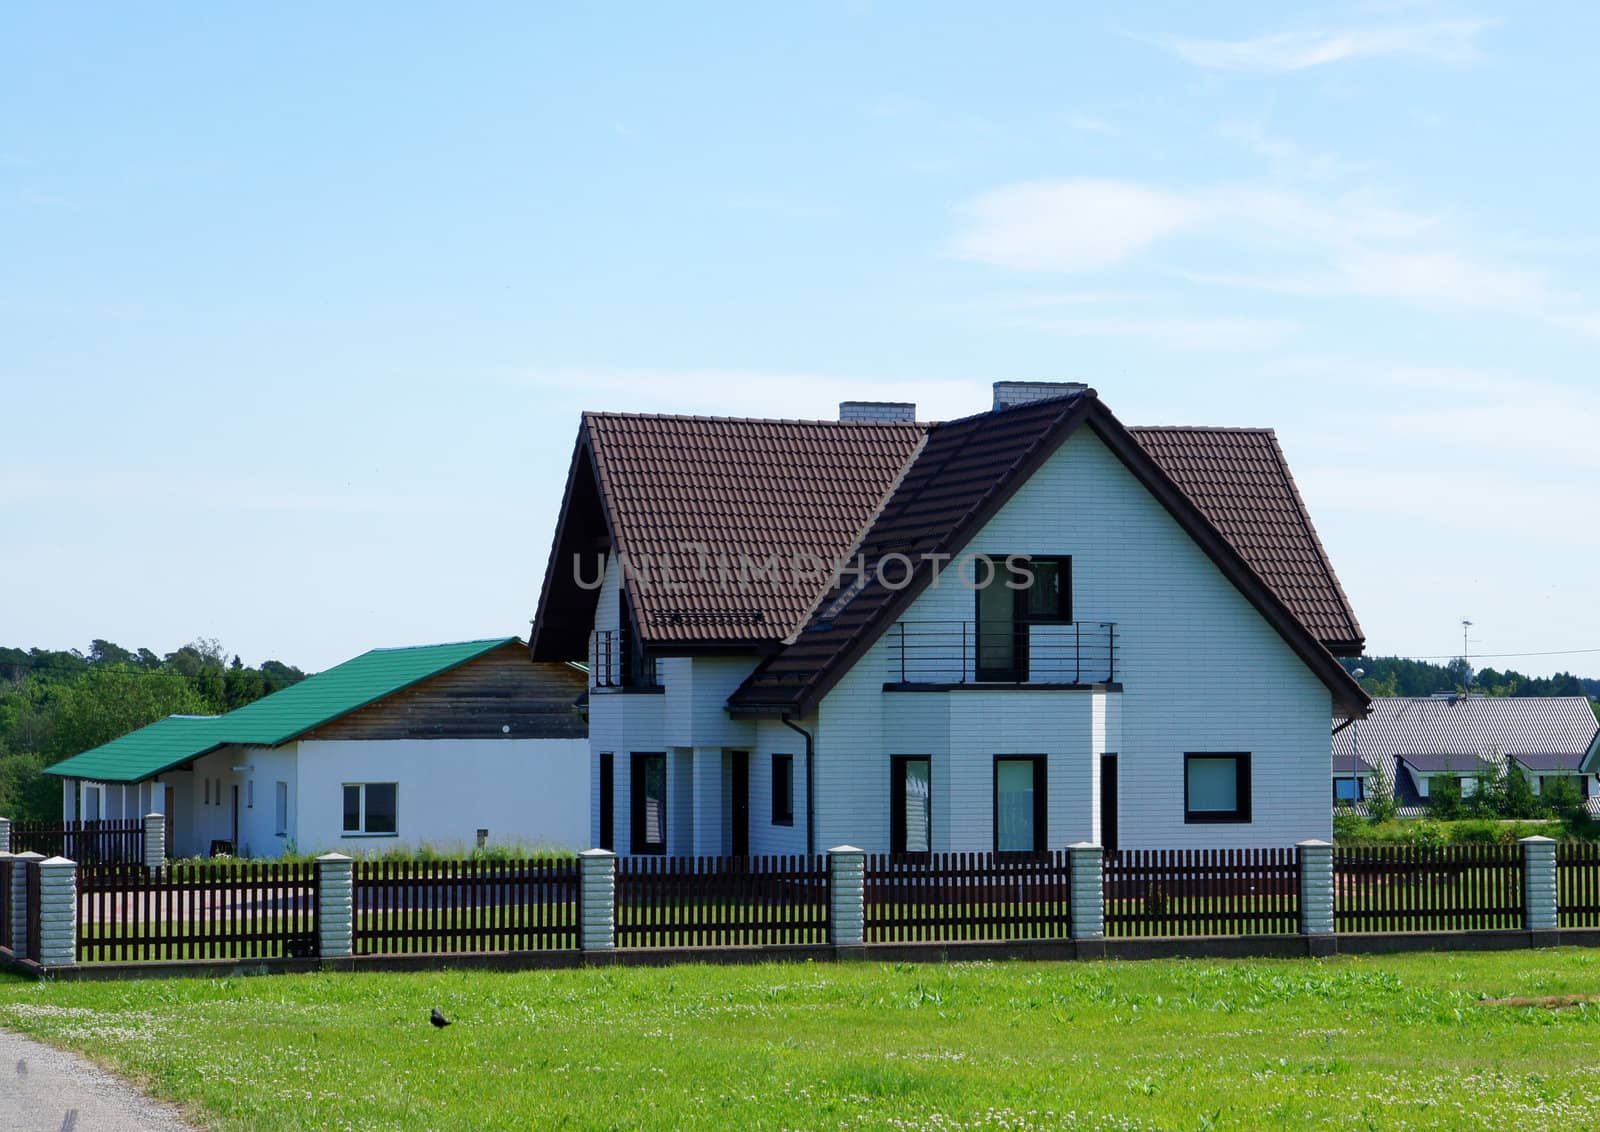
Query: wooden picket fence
x=89, y=843
x=1413, y=888
x=247, y=910
x=411, y=907
x=721, y=901
x=1578, y=884
x=1201, y=892
x=948, y=897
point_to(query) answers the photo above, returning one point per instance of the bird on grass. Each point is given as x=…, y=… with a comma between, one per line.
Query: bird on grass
x=439, y=1020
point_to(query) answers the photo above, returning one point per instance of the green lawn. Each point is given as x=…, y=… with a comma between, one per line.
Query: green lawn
x=1384, y=1043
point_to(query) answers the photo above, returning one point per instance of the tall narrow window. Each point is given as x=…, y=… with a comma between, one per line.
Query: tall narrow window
x=1216, y=787
x=782, y=789
x=911, y=804
x=1019, y=804
x=280, y=818
x=649, y=803
x=208, y=791
x=250, y=794
x=1019, y=592
x=607, y=798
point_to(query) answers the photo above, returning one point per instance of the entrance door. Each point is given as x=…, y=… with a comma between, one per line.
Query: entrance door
x=167, y=809
x=607, y=798
x=739, y=804
x=1108, y=803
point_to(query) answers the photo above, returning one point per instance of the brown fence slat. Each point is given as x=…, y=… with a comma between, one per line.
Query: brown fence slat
x=1187, y=892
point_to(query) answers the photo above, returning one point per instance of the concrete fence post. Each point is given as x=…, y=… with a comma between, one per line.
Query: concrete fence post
x=847, y=896
x=58, y=913
x=5, y=835
x=1316, y=887
x=155, y=840
x=1086, y=872
x=335, y=906
x=1540, y=906
x=5, y=901
x=597, y=900
x=19, y=903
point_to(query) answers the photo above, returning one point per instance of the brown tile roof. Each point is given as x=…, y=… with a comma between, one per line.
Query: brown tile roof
x=963, y=475
x=753, y=489
x=650, y=486
x=1241, y=482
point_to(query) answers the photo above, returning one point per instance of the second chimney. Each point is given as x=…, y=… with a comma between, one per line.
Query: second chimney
x=878, y=412
x=1008, y=394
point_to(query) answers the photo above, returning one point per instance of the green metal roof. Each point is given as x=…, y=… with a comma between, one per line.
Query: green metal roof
x=273, y=719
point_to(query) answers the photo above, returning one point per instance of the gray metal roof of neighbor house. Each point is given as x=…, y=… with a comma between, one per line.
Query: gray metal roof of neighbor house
x=1544, y=733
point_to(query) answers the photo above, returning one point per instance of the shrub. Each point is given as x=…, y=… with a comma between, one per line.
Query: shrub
x=1381, y=806
x=1517, y=799
x=1565, y=800
x=1444, y=797
x=1349, y=827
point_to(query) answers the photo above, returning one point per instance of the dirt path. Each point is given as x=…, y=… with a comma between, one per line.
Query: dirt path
x=45, y=1090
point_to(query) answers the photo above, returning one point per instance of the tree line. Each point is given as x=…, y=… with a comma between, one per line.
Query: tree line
x=54, y=704
x=1400, y=676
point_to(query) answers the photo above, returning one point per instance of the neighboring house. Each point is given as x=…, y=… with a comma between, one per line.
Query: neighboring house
x=1165, y=679
x=396, y=747
x=1415, y=740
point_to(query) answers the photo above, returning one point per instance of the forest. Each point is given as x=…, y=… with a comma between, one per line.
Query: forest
x=58, y=703
x=1400, y=676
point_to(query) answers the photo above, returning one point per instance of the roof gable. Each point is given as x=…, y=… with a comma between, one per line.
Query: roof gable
x=965, y=472
x=273, y=719
x=675, y=496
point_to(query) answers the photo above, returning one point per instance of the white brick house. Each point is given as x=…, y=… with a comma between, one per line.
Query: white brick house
x=1165, y=681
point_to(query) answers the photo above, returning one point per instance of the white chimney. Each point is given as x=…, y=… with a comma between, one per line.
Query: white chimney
x=878, y=412
x=1008, y=394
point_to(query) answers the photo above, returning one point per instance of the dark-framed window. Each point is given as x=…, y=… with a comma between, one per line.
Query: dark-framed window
x=1021, y=821
x=1348, y=788
x=910, y=804
x=371, y=808
x=782, y=789
x=608, y=771
x=1002, y=614
x=1216, y=786
x=649, y=803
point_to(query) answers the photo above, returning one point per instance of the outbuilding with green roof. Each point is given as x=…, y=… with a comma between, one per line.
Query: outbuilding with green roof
x=442, y=744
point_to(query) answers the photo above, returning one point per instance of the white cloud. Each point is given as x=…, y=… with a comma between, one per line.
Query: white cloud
x=1181, y=332
x=1069, y=225
x=1441, y=41
x=1354, y=244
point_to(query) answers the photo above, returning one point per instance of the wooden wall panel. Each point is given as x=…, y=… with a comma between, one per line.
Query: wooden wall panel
x=476, y=701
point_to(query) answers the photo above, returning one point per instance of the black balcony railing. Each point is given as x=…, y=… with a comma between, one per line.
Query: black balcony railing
x=962, y=652
x=613, y=664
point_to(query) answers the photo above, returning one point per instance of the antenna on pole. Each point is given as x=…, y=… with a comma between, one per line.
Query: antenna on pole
x=1466, y=665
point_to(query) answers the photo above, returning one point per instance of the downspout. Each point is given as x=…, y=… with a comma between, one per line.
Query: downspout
x=811, y=795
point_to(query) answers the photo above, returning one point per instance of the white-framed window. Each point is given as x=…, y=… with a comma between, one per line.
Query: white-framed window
x=93, y=802
x=280, y=820
x=371, y=808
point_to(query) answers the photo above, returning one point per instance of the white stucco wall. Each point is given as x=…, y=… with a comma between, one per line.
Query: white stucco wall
x=533, y=791
x=1201, y=670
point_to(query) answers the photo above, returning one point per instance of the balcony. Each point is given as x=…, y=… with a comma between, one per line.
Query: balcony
x=960, y=653
x=614, y=666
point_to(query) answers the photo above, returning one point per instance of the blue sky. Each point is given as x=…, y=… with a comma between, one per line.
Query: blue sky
x=299, y=305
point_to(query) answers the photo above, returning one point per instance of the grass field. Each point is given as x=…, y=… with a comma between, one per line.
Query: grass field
x=1383, y=1043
